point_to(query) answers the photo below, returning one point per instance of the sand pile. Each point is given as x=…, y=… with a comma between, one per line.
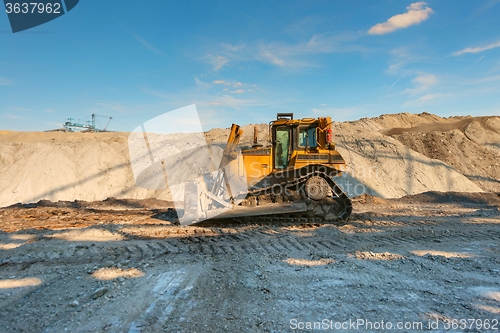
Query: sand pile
x=66, y=166
x=389, y=156
x=470, y=145
x=380, y=165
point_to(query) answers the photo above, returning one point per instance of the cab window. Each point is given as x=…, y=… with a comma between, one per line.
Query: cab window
x=307, y=137
x=282, y=147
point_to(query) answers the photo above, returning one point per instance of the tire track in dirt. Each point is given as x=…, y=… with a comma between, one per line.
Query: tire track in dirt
x=269, y=241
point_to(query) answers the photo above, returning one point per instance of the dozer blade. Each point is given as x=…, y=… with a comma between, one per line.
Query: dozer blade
x=244, y=211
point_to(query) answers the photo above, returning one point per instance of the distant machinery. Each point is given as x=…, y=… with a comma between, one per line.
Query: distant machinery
x=94, y=125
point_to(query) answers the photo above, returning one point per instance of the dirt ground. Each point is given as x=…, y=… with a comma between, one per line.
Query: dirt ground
x=428, y=262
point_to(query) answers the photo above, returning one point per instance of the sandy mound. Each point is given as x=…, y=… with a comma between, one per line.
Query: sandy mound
x=380, y=165
x=388, y=156
x=470, y=145
x=66, y=166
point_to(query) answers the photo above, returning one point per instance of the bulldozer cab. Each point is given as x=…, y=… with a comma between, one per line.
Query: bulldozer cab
x=289, y=136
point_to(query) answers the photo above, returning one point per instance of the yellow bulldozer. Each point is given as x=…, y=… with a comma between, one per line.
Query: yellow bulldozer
x=293, y=177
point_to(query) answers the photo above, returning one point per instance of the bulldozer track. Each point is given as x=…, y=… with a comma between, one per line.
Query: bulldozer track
x=263, y=241
x=277, y=190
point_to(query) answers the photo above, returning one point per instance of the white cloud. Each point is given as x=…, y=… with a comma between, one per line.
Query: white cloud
x=486, y=7
x=224, y=83
x=157, y=93
x=202, y=84
x=204, y=99
x=19, y=109
x=421, y=90
x=239, y=91
x=146, y=44
x=272, y=58
x=11, y=116
x=422, y=83
x=425, y=80
x=4, y=81
x=306, y=25
x=291, y=55
x=400, y=57
x=488, y=79
x=422, y=100
x=232, y=102
x=283, y=54
x=477, y=49
x=232, y=84
x=417, y=12
x=217, y=61
x=428, y=97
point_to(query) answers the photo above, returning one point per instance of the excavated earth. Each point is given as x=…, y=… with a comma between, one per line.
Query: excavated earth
x=420, y=252
x=124, y=266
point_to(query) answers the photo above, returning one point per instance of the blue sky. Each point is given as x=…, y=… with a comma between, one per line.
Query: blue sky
x=243, y=61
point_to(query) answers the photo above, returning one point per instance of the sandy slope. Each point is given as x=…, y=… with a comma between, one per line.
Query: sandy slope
x=453, y=154
x=388, y=156
x=57, y=166
x=470, y=145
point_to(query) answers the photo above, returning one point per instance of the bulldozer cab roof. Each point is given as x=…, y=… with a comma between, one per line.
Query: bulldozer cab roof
x=287, y=119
